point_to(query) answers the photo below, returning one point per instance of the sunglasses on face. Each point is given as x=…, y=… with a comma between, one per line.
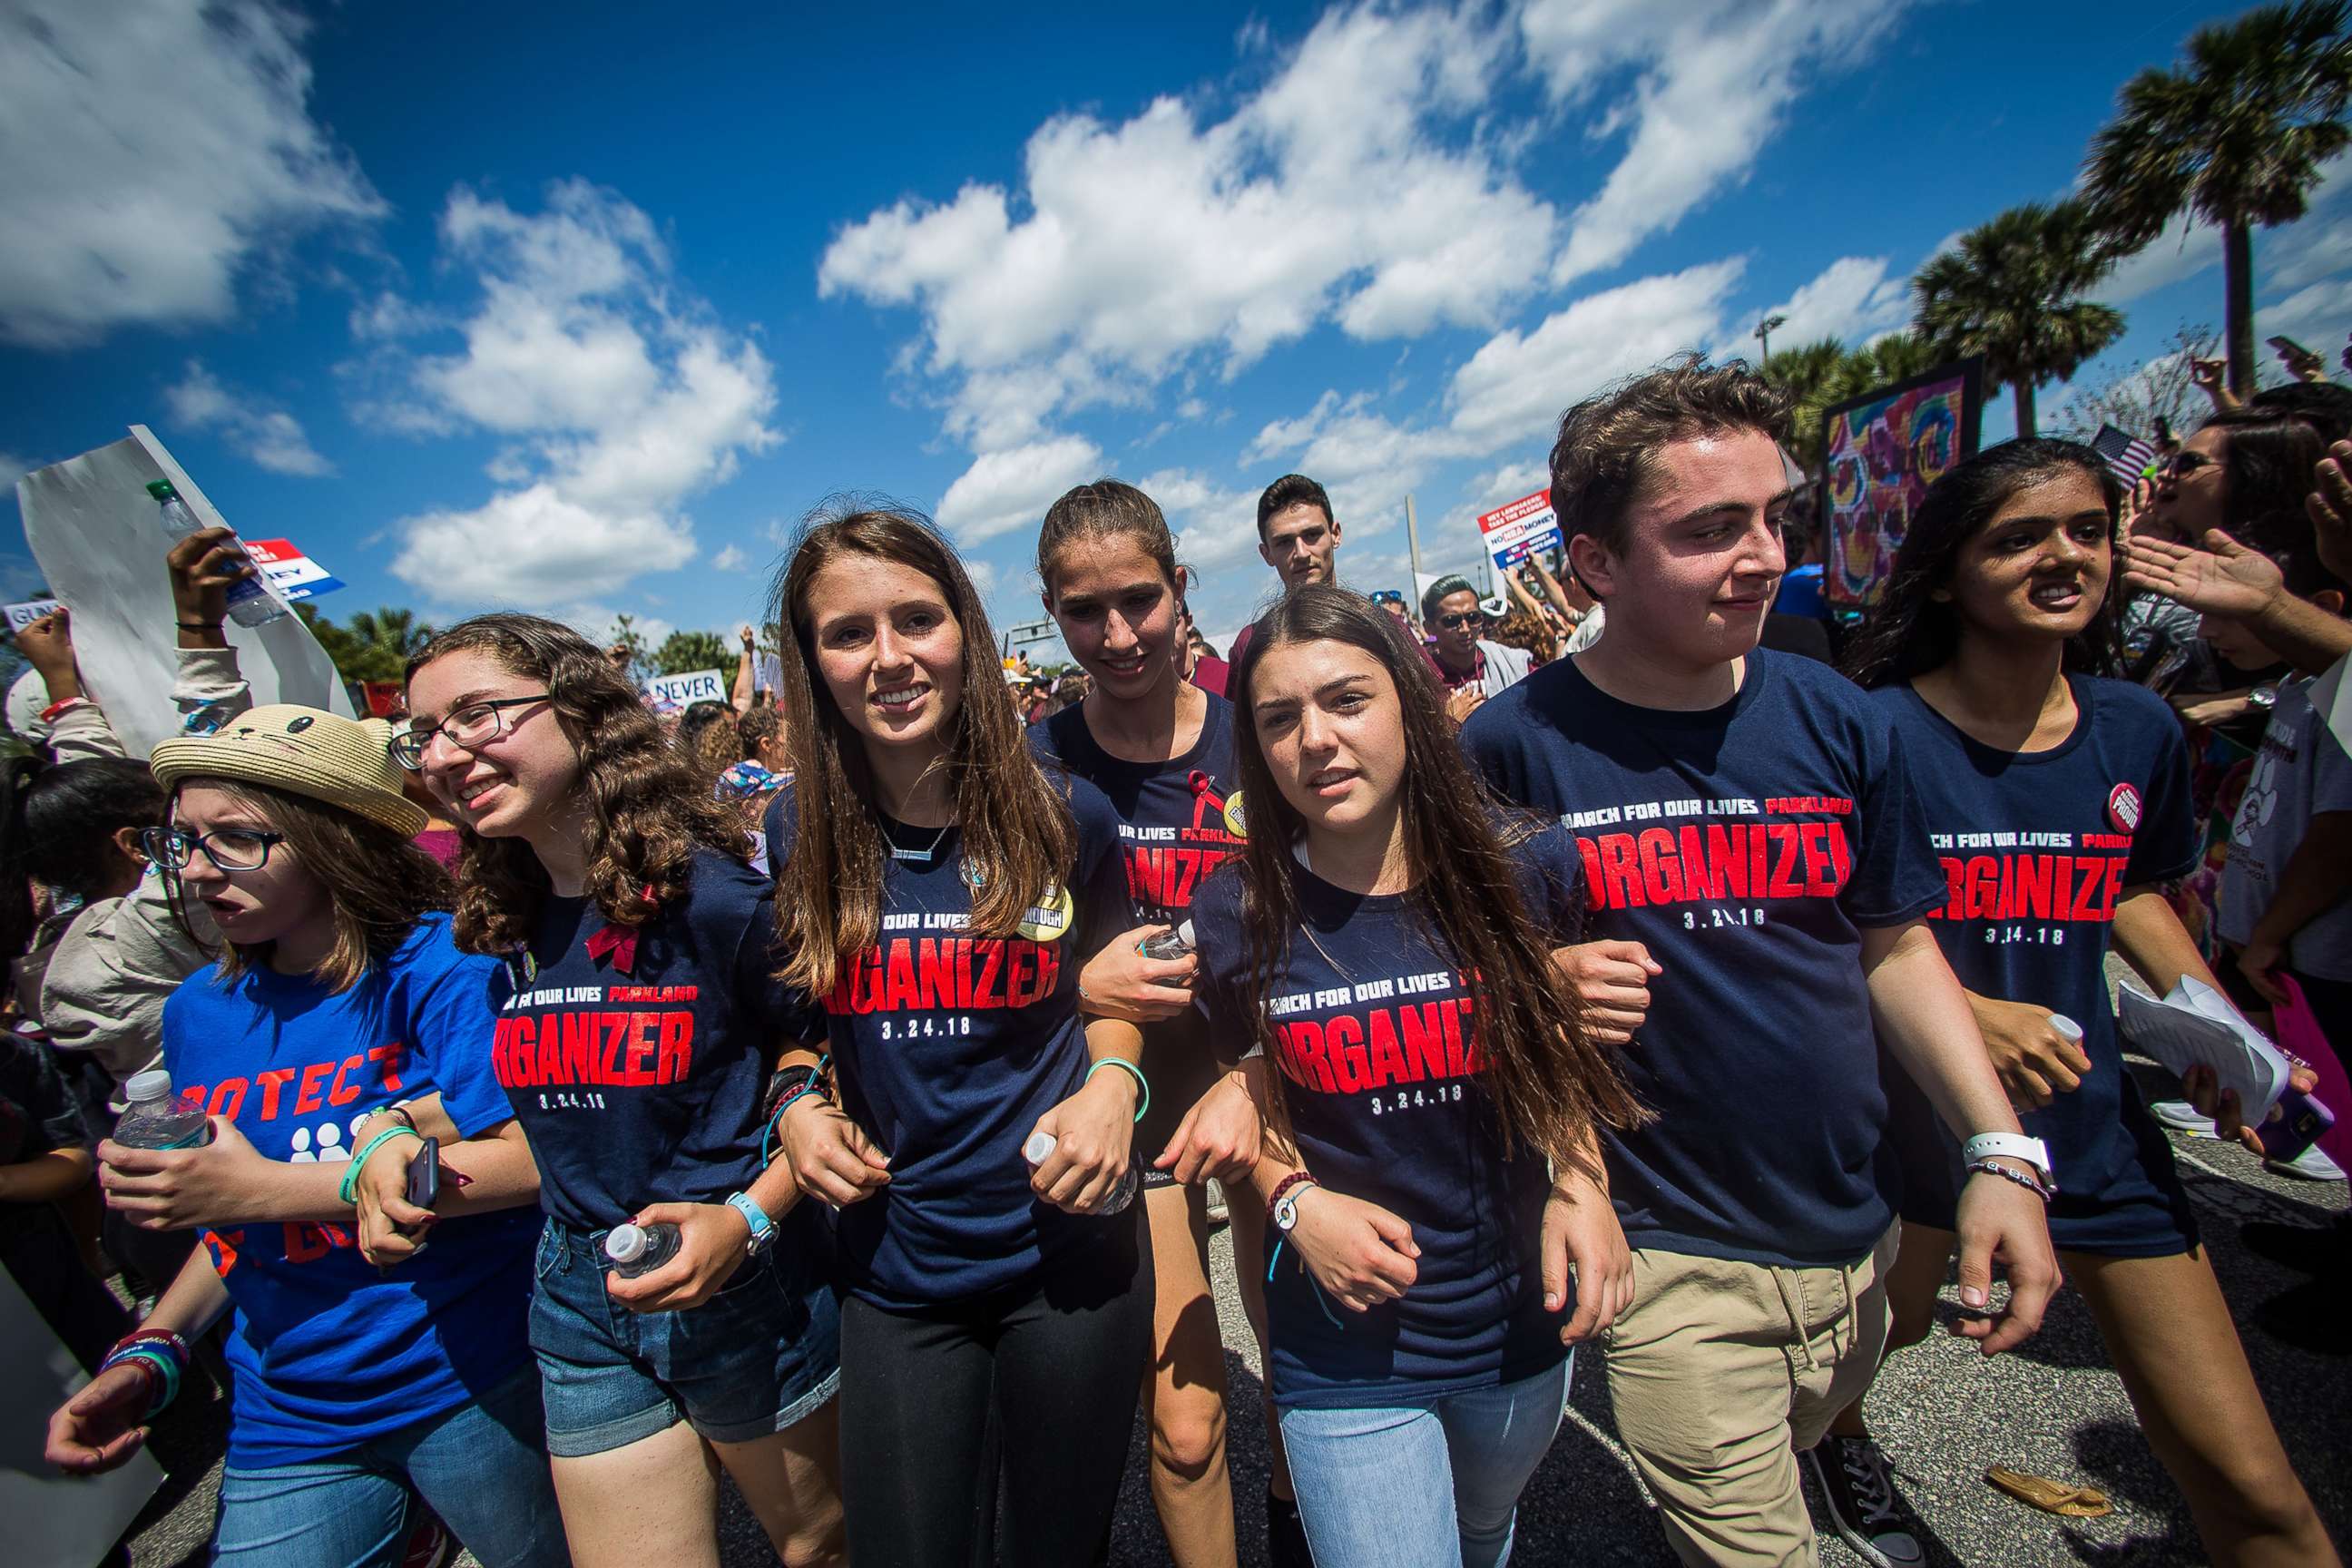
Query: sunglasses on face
x=1460, y=620
x=2185, y=463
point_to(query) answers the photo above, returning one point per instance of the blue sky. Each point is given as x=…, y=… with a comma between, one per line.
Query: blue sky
x=482, y=308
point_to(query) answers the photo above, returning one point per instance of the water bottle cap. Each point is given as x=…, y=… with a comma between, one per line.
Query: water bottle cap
x=1185, y=934
x=161, y=490
x=624, y=1243
x=2066, y=1027
x=146, y=1088
x=1039, y=1149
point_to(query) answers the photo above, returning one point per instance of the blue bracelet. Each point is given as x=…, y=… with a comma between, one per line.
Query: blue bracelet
x=1142, y=1082
x=167, y=1369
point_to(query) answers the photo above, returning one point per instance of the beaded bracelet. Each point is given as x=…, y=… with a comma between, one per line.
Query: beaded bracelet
x=2006, y=1174
x=349, y=1189
x=1142, y=1082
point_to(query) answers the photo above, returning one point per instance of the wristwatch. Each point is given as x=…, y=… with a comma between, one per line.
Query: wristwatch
x=763, y=1229
x=2034, y=1152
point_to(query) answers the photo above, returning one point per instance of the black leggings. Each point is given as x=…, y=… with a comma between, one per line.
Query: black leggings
x=1060, y=1362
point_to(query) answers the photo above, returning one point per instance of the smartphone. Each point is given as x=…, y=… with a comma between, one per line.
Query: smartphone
x=2291, y=351
x=2303, y=1120
x=424, y=1175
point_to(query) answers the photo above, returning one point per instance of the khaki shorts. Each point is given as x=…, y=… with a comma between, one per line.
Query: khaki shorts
x=1721, y=1373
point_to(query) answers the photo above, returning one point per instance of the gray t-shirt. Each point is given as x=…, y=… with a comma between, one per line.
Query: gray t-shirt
x=2301, y=771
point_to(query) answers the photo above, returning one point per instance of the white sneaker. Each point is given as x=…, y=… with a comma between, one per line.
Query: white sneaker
x=2182, y=1117
x=2312, y=1166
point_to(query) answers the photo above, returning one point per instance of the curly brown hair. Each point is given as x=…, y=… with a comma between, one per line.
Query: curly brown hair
x=1603, y=457
x=379, y=883
x=1018, y=835
x=708, y=735
x=648, y=810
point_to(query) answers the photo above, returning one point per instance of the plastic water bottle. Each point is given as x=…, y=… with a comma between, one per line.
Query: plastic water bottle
x=637, y=1249
x=250, y=602
x=1040, y=1149
x=1168, y=944
x=158, y=1119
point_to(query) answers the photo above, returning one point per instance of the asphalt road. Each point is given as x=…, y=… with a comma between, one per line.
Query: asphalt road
x=1943, y=1412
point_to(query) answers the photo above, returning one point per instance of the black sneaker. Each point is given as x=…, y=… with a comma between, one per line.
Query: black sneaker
x=1285, y=1538
x=1869, y=1515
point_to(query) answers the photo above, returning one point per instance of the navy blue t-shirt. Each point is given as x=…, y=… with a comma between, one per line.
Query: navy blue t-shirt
x=329, y=1352
x=1746, y=845
x=1172, y=834
x=2037, y=850
x=947, y=1047
x=1374, y=1035
x=640, y=1078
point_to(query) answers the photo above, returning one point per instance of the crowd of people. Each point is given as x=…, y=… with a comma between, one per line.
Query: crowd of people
x=827, y=1086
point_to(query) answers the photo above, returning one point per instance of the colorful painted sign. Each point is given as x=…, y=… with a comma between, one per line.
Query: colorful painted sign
x=1879, y=454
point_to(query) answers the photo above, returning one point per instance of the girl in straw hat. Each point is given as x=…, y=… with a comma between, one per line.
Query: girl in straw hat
x=638, y=1027
x=339, y=1021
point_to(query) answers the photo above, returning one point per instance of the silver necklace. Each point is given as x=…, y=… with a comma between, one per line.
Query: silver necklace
x=919, y=857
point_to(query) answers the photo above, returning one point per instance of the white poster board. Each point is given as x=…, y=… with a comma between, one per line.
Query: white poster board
x=697, y=685
x=55, y=1520
x=98, y=537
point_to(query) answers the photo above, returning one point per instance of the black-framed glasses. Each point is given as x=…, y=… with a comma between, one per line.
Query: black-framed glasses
x=228, y=849
x=471, y=727
x=1460, y=620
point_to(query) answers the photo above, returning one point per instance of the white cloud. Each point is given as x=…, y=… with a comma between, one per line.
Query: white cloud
x=1009, y=489
x=621, y=398
x=272, y=437
x=155, y=152
x=1714, y=80
x=1852, y=297
x=2183, y=250
x=1342, y=190
x=731, y=559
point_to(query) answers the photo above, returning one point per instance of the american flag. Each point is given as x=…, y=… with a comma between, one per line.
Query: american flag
x=2128, y=456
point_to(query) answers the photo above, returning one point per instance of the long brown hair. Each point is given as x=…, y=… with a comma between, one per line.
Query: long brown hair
x=1018, y=839
x=1552, y=1085
x=379, y=883
x=645, y=810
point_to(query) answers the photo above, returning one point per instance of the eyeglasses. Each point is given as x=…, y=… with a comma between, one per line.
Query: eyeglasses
x=1460, y=620
x=2184, y=463
x=472, y=727
x=228, y=849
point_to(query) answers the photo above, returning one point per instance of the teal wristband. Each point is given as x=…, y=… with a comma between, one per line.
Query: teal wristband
x=1142, y=1082
x=349, y=1189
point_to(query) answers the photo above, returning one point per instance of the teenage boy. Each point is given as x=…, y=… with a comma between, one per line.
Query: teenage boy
x=1744, y=817
x=1300, y=538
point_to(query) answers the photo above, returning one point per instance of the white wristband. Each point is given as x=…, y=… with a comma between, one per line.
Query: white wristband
x=2010, y=1146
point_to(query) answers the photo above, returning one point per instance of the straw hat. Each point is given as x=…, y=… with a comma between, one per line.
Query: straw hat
x=325, y=756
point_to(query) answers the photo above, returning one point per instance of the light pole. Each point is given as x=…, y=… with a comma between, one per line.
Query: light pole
x=1763, y=334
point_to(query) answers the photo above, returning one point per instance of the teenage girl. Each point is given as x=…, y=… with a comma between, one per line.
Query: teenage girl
x=340, y=997
x=938, y=894
x=1162, y=749
x=1387, y=939
x=1989, y=651
x=638, y=1025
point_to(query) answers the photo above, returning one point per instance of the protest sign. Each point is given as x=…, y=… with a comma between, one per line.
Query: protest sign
x=31, y=610
x=1519, y=530
x=1879, y=454
x=677, y=690
x=100, y=542
x=294, y=576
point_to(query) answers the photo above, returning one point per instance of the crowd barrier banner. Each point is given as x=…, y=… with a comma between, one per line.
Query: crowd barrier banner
x=100, y=540
x=699, y=686
x=1525, y=527
x=55, y=1520
x=1879, y=454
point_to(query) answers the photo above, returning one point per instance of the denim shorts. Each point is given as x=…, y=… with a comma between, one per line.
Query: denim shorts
x=756, y=1358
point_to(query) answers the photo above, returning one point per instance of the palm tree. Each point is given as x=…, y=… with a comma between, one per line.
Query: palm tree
x=2236, y=137
x=2010, y=291
x=1822, y=373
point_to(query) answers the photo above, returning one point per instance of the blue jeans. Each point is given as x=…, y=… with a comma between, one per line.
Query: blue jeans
x=482, y=1467
x=1435, y=1483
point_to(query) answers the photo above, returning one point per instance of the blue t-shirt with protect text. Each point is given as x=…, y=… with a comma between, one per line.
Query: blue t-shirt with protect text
x=329, y=1352
x=1746, y=845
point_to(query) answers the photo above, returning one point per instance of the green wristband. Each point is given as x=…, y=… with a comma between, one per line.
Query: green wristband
x=349, y=1189
x=1142, y=1082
